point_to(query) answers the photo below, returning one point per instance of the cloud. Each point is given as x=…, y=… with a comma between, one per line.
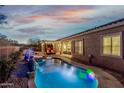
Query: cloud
x=18, y=20
x=35, y=31
x=35, y=17
x=21, y=36
x=55, y=21
x=65, y=14
x=29, y=19
x=73, y=19
x=70, y=15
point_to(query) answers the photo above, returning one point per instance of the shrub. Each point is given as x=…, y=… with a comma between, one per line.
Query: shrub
x=14, y=56
x=5, y=70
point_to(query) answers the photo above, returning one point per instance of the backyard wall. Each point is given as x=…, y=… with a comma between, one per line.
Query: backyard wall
x=5, y=51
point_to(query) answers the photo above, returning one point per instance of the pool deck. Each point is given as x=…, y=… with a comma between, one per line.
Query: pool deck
x=105, y=79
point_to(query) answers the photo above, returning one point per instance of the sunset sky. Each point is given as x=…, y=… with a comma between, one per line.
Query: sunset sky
x=54, y=22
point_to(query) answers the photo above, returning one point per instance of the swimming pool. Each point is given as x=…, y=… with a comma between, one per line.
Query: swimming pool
x=54, y=73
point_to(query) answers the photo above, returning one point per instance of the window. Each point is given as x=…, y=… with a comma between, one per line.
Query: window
x=79, y=47
x=111, y=45
x=67, y=47
x=116, y=45
x=107, y=45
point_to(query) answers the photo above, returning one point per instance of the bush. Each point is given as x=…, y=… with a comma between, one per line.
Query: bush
x=7, y=65
x=5, y=70
x=14, y=56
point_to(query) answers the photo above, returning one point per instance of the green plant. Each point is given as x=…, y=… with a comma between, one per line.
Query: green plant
x=14, y=56
x=5, y=70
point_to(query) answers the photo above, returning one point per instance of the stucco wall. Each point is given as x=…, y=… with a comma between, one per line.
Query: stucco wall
x=5, y=51
x=92, y=45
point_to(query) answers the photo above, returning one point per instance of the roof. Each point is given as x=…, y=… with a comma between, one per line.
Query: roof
x=99, y=28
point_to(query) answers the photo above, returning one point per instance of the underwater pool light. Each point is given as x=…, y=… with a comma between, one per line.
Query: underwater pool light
x=89, y=75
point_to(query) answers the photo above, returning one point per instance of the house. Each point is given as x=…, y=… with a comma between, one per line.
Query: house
x=48, y=47
x=102, y=46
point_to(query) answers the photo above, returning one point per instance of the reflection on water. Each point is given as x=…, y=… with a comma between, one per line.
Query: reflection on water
x=56, y=73
x=69, y=71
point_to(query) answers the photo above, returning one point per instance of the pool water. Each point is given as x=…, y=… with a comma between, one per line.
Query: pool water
x=54, y=73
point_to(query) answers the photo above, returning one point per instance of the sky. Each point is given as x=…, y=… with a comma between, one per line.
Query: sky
x=52, y=22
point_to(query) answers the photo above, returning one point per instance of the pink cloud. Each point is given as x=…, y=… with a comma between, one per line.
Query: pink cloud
x=35, y=17
x=72, y=16
x=65, y=15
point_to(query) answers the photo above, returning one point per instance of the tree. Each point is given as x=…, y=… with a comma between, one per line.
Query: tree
x=3, y=40
x=9, y=41
x=13, y=42
x=35, y=42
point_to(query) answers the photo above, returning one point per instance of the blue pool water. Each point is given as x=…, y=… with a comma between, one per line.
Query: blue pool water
x=54, y=73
